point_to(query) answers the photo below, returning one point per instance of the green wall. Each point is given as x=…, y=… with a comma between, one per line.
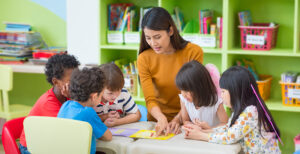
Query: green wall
x=27, y=88
x=52, y=27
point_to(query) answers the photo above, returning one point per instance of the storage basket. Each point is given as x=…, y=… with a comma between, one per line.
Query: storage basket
x=258, y=37
x=290, y=94
x=264, y=86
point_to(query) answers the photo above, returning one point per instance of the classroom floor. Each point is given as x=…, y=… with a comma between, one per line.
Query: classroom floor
x=1, y=147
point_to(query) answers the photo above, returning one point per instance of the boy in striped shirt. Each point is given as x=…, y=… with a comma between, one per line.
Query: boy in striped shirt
x=117, y=106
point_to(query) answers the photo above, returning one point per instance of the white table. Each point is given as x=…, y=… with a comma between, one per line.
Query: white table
x=119, y=144
x=179, y=145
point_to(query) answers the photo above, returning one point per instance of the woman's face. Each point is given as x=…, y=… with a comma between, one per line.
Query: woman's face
x=226, y=97
x=159, y=40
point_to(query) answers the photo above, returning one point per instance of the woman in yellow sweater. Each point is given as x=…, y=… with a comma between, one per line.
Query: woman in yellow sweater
x=162, y=53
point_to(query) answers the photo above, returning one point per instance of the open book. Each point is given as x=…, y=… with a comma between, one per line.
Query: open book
x=150, y=134
x=123, y=131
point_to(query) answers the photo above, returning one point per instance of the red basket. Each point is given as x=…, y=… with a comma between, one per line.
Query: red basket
x=258, y=37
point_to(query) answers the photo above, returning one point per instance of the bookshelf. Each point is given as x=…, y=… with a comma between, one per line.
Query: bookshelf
x=285, y=57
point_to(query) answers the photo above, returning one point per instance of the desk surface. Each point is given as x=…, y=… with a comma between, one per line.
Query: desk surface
x=28, y=68
x=176, y=144
x=31, y=68
x=119, y=144
x=179, y=145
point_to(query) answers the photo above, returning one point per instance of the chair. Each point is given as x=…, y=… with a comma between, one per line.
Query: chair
x=9, y=111
x=10, y=132
x=49, y=135
x=144, y=112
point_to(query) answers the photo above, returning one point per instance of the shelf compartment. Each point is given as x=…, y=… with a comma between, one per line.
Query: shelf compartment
x=262, y=14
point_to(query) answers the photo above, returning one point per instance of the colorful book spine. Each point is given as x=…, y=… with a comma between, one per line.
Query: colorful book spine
x=205, y=30
x=200, y=22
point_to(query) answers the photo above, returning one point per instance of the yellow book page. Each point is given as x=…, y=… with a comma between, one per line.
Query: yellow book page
x=150, y=134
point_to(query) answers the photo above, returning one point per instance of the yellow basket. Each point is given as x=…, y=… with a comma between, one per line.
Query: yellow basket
x=264, y=86
x=290, y=93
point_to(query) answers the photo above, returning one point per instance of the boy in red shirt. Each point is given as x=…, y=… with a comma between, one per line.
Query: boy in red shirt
x=58, y=71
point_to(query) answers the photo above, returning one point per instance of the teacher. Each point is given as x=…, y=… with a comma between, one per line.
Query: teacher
x=162, y=53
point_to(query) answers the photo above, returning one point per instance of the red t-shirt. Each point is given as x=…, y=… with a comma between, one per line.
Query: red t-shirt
x=47, y=105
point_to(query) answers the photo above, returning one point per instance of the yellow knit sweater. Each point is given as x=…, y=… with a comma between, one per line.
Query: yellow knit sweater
x=157, y=75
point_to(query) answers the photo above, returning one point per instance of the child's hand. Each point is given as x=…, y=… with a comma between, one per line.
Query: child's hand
x=113, y=114
x=110, y=122
x=202, y=124
x=65, y=90
x=194, y=132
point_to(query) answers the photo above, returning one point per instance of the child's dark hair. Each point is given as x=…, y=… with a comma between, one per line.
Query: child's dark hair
x=57, y=64
x=195, y=78
x=114, y=76
x=159, y=19
x=85, y=82
x=237, y=80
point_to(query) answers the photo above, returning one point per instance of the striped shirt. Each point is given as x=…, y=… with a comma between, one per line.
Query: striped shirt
x=124, y=104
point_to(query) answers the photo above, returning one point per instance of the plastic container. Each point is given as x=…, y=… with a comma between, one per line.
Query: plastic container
x=258, y=37
x=264, y=86
x=290, y=93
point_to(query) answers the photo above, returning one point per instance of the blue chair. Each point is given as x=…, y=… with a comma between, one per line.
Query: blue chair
x=144, y=112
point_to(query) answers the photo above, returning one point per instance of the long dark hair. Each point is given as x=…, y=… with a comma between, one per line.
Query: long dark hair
x=195, y=78
x=159, y=19
x=238, y=80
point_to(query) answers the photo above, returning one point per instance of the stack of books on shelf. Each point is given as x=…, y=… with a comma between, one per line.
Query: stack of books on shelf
x=205, y=21
x=121, y=17
x=245, y=18
x=123, y=24
x=178, y=19
x=204, y=32
x=17, y=27
x=206, y=25
x=16, y=46
x=41, y=56
x=143, y=11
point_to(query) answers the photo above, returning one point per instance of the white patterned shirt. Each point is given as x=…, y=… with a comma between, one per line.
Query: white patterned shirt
x=245, y=131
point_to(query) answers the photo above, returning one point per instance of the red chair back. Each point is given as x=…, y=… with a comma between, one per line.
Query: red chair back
x=11, y=131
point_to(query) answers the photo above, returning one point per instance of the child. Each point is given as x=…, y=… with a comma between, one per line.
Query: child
x=117, y=106
x=58, y=71
x=86, y=87
x=199, y=99
x=251, y=124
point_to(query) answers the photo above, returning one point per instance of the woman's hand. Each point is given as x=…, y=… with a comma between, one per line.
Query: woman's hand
x=194, y=132
x=174, y=127
x=161, y=126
